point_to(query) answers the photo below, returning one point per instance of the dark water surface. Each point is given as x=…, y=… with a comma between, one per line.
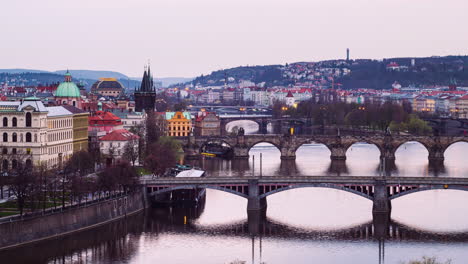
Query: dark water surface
x=310, y=225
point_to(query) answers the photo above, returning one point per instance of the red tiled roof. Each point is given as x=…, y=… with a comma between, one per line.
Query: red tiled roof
x=104, y=118
x=119, y=135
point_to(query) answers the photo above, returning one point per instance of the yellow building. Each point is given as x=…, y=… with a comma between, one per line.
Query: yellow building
x=179, y=124
x=80, y=128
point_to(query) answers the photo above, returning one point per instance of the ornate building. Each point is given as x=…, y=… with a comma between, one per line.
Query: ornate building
x=145, y=97
x=207, y=124
x=35, y=134
x=107, y=87
x=68, y=93
x=179, y=124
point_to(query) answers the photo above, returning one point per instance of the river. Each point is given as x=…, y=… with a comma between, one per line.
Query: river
x=310, y=225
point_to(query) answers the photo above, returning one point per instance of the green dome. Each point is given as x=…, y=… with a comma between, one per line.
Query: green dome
x=67, y=89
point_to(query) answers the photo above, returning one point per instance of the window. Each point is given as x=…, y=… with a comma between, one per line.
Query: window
x=35, y=137
x=28, y=163
x=28, y=137
x=14, y=164
x=15, y=137
x=5, y=165
x=4, y=151
x=13, y=151
x=28, y=151
x=5, y=137
x=28, y=120
x=15, y=121
x=5, y=122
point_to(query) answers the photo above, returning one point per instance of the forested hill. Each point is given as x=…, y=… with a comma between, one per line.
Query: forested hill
x=45, y=79
x=376, y=74
x=426, y=71
x=271, y=74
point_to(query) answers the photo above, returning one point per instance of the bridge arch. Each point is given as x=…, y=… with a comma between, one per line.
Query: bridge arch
x=188, y=187
x=421, y=189
x=369, y=142
x=459, y=140
x=254, y=143
x=411, y=140
x=319, y=185
x=226, y=123
x=311, y=141
x=216, y=141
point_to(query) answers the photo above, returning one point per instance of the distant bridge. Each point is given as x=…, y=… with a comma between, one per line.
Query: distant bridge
x=338, y=145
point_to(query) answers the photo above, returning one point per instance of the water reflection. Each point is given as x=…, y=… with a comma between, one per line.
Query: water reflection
x=300, y=226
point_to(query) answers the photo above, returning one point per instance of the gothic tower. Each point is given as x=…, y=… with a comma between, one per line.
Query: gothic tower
x=145, y=97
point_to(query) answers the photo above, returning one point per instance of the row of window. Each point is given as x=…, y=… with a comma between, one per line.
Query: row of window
x=177, y=134
x=14, y=137
x=60, y=123
x=60, y=149
x=14, y=121
x=185, y=128
x=59, y=136
x=5, y=151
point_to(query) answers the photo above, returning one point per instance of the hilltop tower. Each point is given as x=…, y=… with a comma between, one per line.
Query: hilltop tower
x=145, y=97
x=347, y=54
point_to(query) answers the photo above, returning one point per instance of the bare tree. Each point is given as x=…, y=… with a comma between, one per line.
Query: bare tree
x=130, y=151
x=22, y=181
x=161, y=157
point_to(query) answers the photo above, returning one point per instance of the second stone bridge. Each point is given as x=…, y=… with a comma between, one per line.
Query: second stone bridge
x=338, y=145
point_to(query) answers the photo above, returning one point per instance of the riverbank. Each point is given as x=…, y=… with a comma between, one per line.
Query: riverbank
x=18, y=232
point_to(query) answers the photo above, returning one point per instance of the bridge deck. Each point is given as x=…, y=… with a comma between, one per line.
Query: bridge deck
x=345, y=180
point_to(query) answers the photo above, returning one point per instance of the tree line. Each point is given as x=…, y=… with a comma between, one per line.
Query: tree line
x=389, y=116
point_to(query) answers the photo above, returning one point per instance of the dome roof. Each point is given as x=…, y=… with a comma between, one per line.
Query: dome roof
x=107, y=83
x=67, y=89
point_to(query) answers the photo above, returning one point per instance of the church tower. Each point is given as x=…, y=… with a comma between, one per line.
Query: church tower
x=145, y=97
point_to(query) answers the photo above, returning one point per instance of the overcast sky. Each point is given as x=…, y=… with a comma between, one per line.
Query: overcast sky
x=186, y=38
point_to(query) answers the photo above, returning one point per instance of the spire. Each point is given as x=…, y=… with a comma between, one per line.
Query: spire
x=143, y=82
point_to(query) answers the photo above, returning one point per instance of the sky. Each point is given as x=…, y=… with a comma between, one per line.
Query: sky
x=186, y=38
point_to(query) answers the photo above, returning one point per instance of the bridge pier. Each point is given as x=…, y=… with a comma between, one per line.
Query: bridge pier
x=381, y=223
x=382, y=206
x=262, y=127
x=241, y=152
x=338, y=153
x=337, y=149
x=255, y=220
x=436, y=156
x=288, y=153
x=192, y=151
x=255, y=203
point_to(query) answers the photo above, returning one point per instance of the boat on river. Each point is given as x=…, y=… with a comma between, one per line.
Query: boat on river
x=182, y=197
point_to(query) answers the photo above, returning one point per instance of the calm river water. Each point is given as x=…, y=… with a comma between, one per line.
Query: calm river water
x=310, y=225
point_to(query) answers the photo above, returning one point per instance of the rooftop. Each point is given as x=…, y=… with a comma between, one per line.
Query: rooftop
x=119, y=135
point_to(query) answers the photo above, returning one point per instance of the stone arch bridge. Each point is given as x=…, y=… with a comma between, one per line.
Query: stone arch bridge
x=338, y=145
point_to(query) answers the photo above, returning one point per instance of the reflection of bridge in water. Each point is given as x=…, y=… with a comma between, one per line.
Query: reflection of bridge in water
x=121, y=240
